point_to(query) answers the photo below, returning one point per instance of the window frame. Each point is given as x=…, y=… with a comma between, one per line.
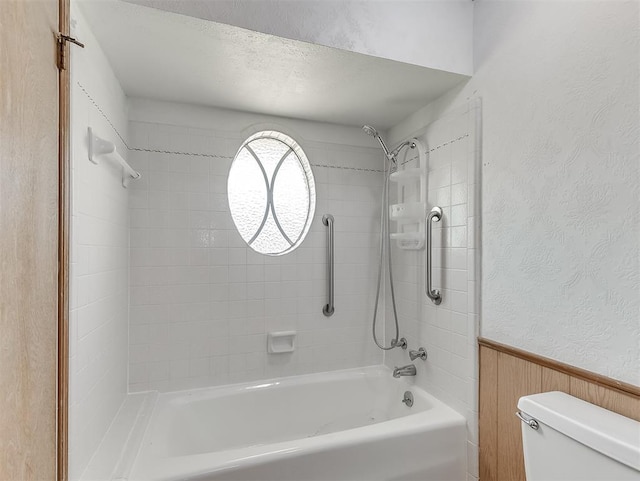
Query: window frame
x=292, y=148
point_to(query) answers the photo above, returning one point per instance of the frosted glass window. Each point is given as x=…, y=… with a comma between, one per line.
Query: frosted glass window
x=272, y=194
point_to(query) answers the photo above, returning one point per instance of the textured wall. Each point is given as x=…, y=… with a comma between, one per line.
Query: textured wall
x=434, y=33
x=560, y=180
x=99, y=292
x=202, y=301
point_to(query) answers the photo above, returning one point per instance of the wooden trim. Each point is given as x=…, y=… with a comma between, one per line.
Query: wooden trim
x=573, y=371
x=507, y=374
x=516, y=378
x=488, y=414
x=62, y=450
x=29, y=148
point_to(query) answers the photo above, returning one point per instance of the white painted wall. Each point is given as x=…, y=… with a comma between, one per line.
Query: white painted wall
x=432, y=33
x=225, y=66
x=560, y=181
x=202, y=301
x=99, y=255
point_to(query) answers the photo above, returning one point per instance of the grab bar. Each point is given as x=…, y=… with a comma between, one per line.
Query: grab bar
x=329, y=308
x=434, y=294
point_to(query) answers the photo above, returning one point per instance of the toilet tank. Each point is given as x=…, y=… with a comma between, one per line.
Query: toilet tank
x=577, y=441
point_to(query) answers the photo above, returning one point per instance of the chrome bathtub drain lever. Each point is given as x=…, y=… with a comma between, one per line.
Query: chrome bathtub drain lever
x=408, y=399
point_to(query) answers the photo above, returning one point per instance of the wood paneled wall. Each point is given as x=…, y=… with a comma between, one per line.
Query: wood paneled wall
x=29, y=162
x=64, y=257
x=506, y=374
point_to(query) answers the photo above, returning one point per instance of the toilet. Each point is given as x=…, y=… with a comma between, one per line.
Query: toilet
x=568, y=439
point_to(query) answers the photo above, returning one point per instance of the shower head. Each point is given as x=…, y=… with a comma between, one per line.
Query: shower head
x=374, y=133
x=390, y=155
x=370, y=130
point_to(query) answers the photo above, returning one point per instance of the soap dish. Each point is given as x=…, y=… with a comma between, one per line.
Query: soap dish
x=281, y=342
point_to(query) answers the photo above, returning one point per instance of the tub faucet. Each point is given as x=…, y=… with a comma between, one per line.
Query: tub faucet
x=409, y=370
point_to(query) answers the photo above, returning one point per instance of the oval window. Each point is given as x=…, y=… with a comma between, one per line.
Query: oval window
x=271, y=192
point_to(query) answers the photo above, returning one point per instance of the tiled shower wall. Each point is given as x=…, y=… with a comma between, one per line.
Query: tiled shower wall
x=98, y=322
x=448, y=331
x=202, y=302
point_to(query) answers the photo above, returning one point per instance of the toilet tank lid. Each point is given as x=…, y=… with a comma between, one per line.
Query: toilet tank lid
x=609, y=433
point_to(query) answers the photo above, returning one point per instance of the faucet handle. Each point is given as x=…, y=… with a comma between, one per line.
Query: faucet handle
x=420, y=353
x=402, y=342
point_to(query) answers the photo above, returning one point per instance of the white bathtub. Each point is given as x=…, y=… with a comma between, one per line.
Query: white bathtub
x=345, y=425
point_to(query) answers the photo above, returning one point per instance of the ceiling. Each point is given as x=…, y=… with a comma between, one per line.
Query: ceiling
x=162, y=55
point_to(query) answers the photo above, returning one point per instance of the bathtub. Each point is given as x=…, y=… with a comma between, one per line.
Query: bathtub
x=344, y=425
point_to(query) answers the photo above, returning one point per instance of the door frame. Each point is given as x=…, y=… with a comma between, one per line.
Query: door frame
x=64, y=80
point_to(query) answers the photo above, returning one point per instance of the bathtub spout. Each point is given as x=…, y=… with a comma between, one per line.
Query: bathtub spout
x=409, y=370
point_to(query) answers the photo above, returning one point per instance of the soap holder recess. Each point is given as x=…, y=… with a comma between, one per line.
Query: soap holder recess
x=281, y=342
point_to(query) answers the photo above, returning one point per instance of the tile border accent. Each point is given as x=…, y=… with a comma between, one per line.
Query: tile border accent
x=325, y=166
x=170, y=152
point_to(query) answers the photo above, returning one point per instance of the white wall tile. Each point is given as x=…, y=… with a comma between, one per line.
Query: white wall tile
x=447, y=331
x=99, y=256
x=183, y=240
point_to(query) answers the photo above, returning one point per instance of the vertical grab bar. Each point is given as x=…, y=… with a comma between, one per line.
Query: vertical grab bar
x=434, y=294
x=329, y=308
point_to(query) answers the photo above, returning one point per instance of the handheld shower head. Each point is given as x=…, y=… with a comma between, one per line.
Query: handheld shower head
x=390, y=155
x=370, y=130
x=374, y=133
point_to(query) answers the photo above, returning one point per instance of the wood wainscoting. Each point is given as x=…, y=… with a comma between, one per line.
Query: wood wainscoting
x=34, y=208
x=506, y=374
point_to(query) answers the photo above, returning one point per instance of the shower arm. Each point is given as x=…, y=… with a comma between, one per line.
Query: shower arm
x=394, y=153
x=391, y=156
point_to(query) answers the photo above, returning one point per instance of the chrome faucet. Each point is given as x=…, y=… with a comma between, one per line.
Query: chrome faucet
x=409, y=370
